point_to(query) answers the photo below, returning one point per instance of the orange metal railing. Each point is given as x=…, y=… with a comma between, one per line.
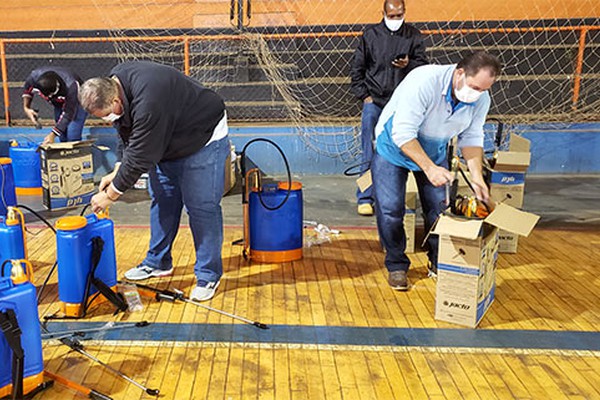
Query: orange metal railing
x=187, y=39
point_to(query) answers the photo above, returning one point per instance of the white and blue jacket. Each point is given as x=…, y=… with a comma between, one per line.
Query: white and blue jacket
x=422, y=108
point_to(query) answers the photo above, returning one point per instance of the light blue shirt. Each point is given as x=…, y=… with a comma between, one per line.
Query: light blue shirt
x=422, y=108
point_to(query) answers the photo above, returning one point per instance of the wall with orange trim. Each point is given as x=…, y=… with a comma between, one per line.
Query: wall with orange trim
x=35, y=15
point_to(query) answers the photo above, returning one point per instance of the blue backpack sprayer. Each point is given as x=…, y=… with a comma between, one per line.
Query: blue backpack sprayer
x=21, y=363
x=87, y=264
x=8, y=196
x=13, y=245
x=272, y=214
x=26, y=167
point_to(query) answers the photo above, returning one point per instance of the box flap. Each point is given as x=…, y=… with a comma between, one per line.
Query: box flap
x=411, y=184
x=66, y=145
x=460, y=227
x=512, y=220
x=512, y=161
x=519, y=144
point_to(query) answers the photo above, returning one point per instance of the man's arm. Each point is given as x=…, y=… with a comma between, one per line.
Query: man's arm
x=69, y=111
x=474, y=158
x=31, y=114
x=357, y=71
x=437, y=175
x=418, y=56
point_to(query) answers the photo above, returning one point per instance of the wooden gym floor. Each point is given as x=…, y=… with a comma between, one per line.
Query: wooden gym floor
x=339, y=332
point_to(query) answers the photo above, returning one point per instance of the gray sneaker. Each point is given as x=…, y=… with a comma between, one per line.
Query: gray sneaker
x=204, y=290
x=398, y=280
x=142, y=272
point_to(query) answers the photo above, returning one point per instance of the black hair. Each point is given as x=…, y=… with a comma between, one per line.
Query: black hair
x=48, y=82
x=478, y=60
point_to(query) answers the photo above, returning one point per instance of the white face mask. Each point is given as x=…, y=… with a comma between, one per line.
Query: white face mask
x=393, y=24
x=112, y=117
x=467, y=94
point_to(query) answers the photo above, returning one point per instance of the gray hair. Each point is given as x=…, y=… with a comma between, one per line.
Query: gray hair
x=98, y=93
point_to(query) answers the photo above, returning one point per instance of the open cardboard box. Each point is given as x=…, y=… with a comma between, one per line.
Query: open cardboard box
x=468, y=250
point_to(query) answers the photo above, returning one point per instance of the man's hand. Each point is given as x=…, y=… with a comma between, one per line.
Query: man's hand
x=437, y=175
x=100, y=202
x=31, y=114
x=400, y=62
x=49, y=138
x=368, y=100
x=481, y=191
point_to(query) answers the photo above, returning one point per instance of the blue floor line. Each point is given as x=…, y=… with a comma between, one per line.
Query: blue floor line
x=352, y=336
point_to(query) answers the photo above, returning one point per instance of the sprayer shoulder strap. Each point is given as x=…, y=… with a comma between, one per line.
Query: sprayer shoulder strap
x=12, y=333
x=103, y=288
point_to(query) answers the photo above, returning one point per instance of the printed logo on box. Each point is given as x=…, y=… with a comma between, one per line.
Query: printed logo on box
x=508, y=178
x=461, y=306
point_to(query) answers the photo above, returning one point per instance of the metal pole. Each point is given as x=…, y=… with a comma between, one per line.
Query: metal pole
x=5, y=82
x=579, y=68
x=186, y=56
x=240, y=21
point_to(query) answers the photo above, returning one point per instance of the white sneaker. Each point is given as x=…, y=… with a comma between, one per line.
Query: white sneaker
x=204, y=291
x=142, y=272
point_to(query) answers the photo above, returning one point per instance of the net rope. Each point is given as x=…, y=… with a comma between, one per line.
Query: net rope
x=291, y=63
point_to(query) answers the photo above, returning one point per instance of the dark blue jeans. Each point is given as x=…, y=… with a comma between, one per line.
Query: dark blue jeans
x=389, y=185
x=75, y=127
x=195, y=182
x=370, y=116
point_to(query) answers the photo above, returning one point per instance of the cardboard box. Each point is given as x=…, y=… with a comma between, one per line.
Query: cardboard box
x=507, y=242
x=507, y=175
x=410, y=216
x=67, y=174
x=410, y=219
x=467, y=262
x=230, y=169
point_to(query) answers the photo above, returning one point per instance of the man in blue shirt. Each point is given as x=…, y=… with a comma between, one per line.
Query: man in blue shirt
x=434, y=104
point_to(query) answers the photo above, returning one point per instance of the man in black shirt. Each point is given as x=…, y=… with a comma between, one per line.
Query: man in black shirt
x=176, y=130
x=387, y=52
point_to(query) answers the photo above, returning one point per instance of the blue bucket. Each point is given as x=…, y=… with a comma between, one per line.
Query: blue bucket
x=276, y=235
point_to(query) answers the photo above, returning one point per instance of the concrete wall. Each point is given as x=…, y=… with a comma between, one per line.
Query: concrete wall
x=35, y=15
x=556, y=149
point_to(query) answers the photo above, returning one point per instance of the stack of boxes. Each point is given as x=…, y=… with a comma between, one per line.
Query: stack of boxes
x=507, y=183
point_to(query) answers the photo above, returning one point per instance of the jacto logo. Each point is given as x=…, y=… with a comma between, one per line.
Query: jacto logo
x=507, y=179
x=68, y=152
x=460, y=306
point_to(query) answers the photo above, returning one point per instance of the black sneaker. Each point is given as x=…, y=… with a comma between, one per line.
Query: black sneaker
x=398, y=280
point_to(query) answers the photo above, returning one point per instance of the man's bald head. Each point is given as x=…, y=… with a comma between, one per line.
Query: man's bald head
x=393, y=9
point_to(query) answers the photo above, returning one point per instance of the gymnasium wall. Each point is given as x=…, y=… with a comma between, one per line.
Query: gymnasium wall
x=556, y=148
x=41, y=15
